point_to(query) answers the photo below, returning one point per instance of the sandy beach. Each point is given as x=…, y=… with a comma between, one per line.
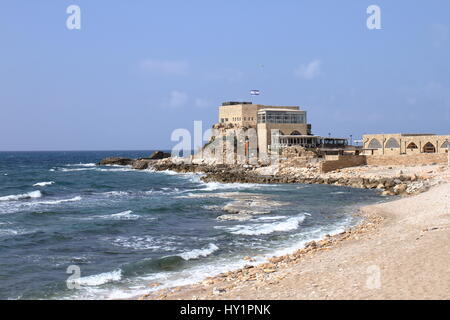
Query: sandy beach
x=400, y=251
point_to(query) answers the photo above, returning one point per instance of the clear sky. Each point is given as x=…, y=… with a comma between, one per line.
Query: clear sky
x=139, y=69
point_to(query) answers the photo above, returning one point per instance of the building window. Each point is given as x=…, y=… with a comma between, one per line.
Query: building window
x=392, y=143
x=429, y=148
x=445, y=145
x=374, y=144
x=281, y=117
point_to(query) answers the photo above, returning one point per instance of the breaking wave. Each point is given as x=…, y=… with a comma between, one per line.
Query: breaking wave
x=16, y=197
x=74, y=199
x=81, y=165
x=212, y=186
x=268, y=228
x=198, y=253
x=98, y=169
x=75, y=169
x=99, y=279
x=43, y=184
x=116, y=193
x=125, y=215
x=144, y=243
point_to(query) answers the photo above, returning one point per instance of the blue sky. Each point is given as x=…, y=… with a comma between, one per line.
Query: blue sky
x=137, y=70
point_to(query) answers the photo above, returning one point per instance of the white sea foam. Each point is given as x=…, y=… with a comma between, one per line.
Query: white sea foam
x=315, y=234
x=8, y=232
x=198, y=253
x=267, y=228
x=16, y=197
x=43, y=184
x=51, y=202
x=195, y=274
x=99, y=169
x=193, y=176
x=125, y=215
x=81, y=165
x=169, y=172
x=75, y=169
x=116, y=193
x=14, y=232
x=99, y=279
x=118, y=169
x=144, y=243
x=272, y=218
x=212, y=186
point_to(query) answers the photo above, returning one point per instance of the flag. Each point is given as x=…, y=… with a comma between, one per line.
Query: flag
x=254, y=92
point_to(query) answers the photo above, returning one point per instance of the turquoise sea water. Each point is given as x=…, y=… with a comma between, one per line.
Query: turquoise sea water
x=124, y=229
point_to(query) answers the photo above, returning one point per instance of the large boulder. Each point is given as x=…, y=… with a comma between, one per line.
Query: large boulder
x=116, y=161
x=159, y=155
x=141, y=164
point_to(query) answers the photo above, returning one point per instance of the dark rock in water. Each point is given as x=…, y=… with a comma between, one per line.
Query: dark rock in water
x=116, y=161
x=159, y=155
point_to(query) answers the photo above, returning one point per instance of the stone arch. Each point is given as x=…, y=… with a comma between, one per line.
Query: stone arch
x=295, y=133
x=412, y=145
x=429, y=148
x=392, y=143
x=445, y=145
x=374, y=144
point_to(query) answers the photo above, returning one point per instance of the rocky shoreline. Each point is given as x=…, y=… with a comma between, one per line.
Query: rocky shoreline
x=337, y=266
x=270, y=272
x=395, y=184
x=277, y=271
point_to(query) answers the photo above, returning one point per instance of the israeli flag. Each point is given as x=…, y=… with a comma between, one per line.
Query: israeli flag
x=254, y=92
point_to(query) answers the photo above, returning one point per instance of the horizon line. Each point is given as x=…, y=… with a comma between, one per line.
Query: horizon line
x=88, y=150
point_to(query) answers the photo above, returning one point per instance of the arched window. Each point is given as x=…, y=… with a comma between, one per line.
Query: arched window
x=374, y=144
x=445, y=145
x=392, y=143
x=429, y=148
x=295, y=133
x=412, y=146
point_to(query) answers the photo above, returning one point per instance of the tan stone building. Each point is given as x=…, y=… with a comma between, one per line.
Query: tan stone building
x=276, y=126
x=401, y=143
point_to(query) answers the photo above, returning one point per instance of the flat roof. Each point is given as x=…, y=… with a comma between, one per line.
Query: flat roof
x=401, y=134
x=280, y=109
x=309, y=136
x=417, y=134
x=234, y=103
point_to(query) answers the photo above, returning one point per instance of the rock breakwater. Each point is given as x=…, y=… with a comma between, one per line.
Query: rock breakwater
x=395, y=184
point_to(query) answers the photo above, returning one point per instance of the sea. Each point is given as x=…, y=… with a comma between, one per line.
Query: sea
x=70, y=229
